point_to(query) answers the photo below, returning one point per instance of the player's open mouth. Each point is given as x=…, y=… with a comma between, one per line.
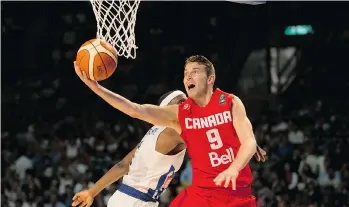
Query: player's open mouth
x=191, y=86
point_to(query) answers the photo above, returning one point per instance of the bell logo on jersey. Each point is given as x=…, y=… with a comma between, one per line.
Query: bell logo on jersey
x=209, y=121
x=217, y=160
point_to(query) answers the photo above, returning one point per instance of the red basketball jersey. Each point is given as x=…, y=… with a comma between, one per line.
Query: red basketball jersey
x=212, y=142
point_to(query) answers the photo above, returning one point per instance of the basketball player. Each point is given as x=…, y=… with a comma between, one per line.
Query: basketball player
x=215, y=129
x=148, y=169
x=165, y=148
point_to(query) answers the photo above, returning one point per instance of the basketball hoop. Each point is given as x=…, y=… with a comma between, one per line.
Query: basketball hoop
x=116, y=20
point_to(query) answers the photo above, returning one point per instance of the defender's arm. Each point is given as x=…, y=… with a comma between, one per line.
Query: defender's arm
x=244, y=131
x=115, y=173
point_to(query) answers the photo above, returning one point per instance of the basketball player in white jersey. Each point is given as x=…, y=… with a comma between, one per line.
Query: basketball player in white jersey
x=148, y=169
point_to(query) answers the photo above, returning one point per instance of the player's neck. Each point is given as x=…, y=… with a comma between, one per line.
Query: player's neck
x=204, y=99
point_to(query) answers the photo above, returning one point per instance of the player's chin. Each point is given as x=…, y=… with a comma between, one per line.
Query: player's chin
x=191, y=93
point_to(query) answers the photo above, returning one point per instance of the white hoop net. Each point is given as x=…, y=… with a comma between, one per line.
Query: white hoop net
x=116, y=22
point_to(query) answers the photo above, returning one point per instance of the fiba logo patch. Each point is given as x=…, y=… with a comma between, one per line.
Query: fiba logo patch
x=222, y=99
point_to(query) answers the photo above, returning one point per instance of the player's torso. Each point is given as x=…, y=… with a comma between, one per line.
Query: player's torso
x=151, y=171
x=210, y=137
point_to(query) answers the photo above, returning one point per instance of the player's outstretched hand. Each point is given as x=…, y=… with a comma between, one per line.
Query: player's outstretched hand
x=83, y=76
x=260, y=155
x=228, y=175
x=83, y=198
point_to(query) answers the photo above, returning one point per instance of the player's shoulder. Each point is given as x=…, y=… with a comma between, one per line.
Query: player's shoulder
x=172, y=135
x=169, y=131
x=221, y=92
x=229, y=95
x=222, y=97
x=171, y=109
x=154, y=130
x=185, y=105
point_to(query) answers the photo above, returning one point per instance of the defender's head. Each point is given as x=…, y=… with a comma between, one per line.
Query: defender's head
x=171, y=98
x=199, y=76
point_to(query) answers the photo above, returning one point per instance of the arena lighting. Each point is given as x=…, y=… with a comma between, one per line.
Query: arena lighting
x=298, y=30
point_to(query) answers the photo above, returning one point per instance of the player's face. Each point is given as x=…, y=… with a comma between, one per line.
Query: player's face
x=195, y=79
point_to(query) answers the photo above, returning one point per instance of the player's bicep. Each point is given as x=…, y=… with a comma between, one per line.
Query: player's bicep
x=159, y=115
x=241, y=122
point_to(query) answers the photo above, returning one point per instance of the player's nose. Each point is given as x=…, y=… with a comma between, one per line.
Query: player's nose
x=188, y=77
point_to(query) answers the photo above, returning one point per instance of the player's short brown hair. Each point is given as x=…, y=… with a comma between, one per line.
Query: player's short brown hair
x=201, y=60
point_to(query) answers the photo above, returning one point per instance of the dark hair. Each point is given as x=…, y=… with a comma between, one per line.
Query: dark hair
x=164, y=96
x=201, y=60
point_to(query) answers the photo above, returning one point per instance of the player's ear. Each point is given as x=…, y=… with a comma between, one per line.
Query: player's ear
x=211, y=79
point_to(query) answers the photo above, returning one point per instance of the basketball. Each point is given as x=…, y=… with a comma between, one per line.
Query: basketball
x=97, y=58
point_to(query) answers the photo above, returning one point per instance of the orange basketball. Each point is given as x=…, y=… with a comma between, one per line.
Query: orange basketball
x=98, y=59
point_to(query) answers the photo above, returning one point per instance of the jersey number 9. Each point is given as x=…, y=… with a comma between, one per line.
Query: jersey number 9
x=214, y=139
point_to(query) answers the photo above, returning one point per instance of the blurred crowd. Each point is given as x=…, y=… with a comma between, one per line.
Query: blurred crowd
x=57, y=138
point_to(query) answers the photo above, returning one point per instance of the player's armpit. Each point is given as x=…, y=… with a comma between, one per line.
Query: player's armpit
x=245, y=133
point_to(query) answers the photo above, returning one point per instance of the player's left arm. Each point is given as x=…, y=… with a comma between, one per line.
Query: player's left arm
x=245, y=134
x=247, y=149
x=115, y=173
x=86, y=197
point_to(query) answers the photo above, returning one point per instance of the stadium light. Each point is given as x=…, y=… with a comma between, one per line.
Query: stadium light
x=298, y=30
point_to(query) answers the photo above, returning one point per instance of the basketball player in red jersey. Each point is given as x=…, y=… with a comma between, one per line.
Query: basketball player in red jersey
x=215, y=129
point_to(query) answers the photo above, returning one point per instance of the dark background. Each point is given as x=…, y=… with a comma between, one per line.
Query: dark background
x=57, y=137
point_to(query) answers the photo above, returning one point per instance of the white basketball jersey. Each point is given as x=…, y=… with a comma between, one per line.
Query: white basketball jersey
x=150, y=171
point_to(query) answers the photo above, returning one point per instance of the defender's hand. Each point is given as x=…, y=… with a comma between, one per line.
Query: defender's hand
x=228, y=175
x=84, y=198
x=260, y=155
x=83, y=76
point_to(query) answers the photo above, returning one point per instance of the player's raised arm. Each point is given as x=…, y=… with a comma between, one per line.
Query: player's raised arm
x=245, y=133
x=156, y=115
